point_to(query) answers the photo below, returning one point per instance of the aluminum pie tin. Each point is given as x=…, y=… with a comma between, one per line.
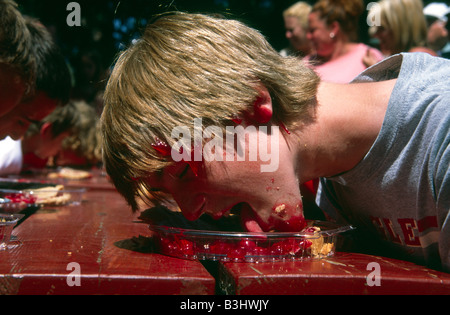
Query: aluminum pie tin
x=317, y=240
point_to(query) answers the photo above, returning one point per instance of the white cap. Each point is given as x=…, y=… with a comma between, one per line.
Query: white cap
x=438, y=10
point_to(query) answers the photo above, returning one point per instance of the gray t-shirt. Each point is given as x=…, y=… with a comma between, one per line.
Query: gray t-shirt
x=399, y=193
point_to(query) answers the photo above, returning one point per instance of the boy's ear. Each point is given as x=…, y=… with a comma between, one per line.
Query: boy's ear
x=46, y=129
x=262, y=107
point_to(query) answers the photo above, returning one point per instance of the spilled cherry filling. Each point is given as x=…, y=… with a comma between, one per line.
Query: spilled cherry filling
x=20, y=198
x=239, y=250
x=176, y=236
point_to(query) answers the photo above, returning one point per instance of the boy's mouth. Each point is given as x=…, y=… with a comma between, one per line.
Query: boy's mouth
x=282, y=218
x=241, y=217
x=249, y=219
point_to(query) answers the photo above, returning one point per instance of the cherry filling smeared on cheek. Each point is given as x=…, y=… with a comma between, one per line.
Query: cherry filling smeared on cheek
x=161, y=147
x=195, y=166
x=165, y=151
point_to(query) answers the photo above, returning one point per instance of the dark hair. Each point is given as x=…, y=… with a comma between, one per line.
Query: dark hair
x=52, y=72
x=15, y=41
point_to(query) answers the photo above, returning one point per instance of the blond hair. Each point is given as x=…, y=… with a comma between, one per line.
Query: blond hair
x=81, y=121
x=85, y=138
x=300, y=10
x=189, y=66
x=405, y=20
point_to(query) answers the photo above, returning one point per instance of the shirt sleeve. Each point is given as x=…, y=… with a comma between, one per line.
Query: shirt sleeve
x=10, y=156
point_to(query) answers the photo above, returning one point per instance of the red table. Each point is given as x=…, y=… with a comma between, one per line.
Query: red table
x=345, y=273
x=93, y=236
x=96, y=248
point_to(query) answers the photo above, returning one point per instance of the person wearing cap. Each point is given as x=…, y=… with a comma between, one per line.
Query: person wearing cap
x=437, y=36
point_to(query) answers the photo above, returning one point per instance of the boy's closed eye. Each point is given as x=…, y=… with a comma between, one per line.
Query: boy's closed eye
x=182, y=170
x=178, y=170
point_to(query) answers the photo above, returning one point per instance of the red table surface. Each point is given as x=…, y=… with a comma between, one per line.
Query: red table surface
x=102, y=237
x=344, y=273
x=89, y=235
x=98, y=179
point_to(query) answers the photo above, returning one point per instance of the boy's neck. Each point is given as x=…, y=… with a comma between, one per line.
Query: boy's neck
x=347, y=121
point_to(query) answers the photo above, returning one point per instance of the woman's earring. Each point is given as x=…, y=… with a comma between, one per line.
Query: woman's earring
x=331, y=35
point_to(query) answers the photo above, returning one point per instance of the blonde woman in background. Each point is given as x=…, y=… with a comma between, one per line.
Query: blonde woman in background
x=68, y=136
x=333, y=31
x=402, y=27
x=296, y=24
x=82, y=148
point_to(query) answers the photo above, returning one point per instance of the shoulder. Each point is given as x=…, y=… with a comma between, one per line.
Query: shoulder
x=363, y=48
x=423, y=72
x=423, y=50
